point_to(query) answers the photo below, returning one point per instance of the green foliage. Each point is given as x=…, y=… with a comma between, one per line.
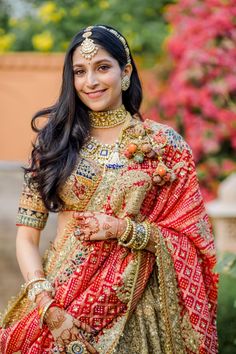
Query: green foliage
x=227, y=303
x=227, y=315
x=227, y=264
x=55, y=22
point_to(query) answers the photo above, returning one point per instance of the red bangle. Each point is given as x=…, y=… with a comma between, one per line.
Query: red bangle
x=56, y=304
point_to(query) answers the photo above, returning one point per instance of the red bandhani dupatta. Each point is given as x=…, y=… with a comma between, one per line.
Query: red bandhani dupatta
x=184, y=227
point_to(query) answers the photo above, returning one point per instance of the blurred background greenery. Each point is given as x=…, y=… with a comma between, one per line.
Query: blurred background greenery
x=187, y=53
x=46, y=26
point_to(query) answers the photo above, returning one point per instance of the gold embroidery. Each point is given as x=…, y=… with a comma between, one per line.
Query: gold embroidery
x=191, y=337
x=129, y=192
x=142, y=333
x=109, y=340
x=170, y=309
x=32, y=211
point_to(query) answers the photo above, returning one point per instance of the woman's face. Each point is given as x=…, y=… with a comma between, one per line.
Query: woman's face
x=98, y=81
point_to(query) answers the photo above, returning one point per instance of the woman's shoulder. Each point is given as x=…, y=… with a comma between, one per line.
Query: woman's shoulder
x=165, y=134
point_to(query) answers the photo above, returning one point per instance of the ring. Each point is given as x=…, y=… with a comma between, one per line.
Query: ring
x=76, y=347
x=77, y=232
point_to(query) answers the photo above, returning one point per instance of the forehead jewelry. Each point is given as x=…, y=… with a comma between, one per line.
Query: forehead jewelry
x=121, y=39
x=88, y=47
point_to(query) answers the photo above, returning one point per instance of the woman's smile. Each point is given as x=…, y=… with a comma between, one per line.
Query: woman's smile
x=95, y=94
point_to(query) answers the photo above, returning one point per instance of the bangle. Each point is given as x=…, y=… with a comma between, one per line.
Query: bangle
x=32, y=281
x=134, y=234
x=128, y=230
x=37, y=288
x=146, y=237
x=43, y=313
x=141, y=232
x=140, y=237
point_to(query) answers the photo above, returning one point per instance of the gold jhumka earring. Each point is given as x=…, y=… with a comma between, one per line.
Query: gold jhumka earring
x=125, y=82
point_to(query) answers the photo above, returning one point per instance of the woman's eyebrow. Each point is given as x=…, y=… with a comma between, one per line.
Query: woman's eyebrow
x=94, y=63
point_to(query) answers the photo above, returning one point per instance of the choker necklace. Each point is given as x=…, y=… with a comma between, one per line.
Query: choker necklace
x=108, y=119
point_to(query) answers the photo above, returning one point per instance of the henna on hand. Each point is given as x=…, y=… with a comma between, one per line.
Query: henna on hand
x=122, y=224
x=95, y=226
x=66, y=329
x=54, y=318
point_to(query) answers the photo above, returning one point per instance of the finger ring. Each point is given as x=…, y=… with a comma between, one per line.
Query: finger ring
x=76, y=347
x=77, y=232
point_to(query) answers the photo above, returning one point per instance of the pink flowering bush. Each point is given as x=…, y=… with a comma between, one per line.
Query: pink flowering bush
x=197, y=88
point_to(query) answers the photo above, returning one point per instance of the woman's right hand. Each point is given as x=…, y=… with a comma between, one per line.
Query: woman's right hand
x=66, y=329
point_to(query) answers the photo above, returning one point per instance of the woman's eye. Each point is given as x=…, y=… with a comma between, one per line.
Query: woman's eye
x=104, y=67
x=78, y=72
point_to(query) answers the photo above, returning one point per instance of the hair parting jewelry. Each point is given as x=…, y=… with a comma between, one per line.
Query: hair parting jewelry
x=89, y=48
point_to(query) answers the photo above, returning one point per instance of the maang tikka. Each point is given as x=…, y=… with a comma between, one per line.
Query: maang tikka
x=88, y=47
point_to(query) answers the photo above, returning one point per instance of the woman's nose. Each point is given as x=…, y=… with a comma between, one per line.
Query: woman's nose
x=91, y=78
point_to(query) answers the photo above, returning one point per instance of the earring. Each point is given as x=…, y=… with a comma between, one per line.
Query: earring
x=125, y=82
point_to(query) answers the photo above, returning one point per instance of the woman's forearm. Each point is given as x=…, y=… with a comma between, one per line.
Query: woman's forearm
x=27, y=252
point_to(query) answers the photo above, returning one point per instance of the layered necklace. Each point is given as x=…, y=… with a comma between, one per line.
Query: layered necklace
x=106, y=155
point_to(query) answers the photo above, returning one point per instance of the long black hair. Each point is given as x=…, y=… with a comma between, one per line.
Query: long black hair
x=58, y=142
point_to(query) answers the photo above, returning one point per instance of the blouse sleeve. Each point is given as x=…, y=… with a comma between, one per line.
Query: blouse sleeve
x=32, y=211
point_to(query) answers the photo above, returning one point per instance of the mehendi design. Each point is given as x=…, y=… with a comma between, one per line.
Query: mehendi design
x=55, y=318
x=96, y=226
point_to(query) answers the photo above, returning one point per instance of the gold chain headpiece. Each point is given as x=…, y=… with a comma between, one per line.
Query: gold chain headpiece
x=89, y=48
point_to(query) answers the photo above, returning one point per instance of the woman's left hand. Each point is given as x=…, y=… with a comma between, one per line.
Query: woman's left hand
x=96, y=226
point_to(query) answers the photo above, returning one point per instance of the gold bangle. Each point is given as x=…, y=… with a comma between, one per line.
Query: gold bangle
x=147, y=236
x=38, y=288
x=141, y=231
x=134, y=235
x=32, y=281
x=44, y=312
x=128, y=230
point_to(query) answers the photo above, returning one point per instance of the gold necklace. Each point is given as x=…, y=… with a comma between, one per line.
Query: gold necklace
x=108, y=119
x=106, y=155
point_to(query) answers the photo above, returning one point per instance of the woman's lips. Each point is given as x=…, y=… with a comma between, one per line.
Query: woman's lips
x=95, y=94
